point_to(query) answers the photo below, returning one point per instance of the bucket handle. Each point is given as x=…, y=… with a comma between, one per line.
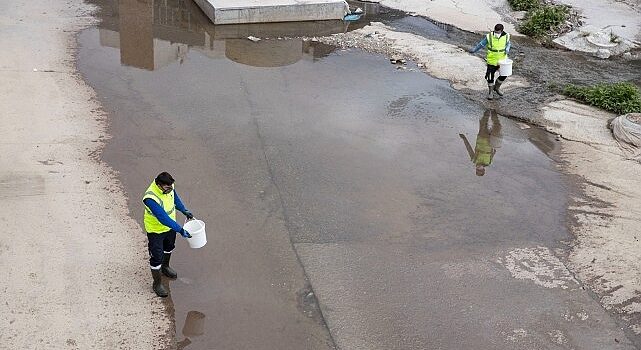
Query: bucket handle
x=186, y=220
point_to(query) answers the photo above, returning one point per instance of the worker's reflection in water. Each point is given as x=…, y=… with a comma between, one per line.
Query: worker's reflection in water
x=487, y=141
x=194, y=327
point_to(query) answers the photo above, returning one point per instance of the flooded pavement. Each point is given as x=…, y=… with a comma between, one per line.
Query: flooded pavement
x=343, y=198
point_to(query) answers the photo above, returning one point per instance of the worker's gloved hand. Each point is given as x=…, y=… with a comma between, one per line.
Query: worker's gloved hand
x=189, y=215
x=184, y=233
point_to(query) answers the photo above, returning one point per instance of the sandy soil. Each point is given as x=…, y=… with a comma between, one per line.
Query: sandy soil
x=606, y=210
x=75, y=275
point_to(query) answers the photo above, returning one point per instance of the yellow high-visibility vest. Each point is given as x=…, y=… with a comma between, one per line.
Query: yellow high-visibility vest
x=496, y=48
x=483, y=152
x=166, y=201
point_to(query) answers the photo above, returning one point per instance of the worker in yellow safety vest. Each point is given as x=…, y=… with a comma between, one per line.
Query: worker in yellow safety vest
x=161, y=202
x=498, y=46
x=488, y=140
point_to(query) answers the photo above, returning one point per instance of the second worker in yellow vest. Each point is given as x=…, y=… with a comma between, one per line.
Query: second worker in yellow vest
x=498, y=46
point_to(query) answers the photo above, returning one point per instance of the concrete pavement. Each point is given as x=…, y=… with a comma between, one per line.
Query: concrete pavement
x=362, y=168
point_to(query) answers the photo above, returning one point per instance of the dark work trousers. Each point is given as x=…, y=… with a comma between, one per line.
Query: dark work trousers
x=489, y=74
x=159, y=244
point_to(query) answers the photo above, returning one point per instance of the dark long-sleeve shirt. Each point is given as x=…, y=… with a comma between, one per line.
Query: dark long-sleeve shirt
x=162, y=216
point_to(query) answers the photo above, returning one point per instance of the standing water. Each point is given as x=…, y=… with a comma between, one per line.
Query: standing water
x=348, y=203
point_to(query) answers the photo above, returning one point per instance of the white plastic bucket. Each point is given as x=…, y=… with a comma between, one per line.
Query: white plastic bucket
x=196, y=229
x=505, y=67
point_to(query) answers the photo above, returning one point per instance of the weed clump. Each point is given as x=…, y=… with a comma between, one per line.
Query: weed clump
x=614, y=38
x=524, y=5
x=544, y=20
x=620, y=98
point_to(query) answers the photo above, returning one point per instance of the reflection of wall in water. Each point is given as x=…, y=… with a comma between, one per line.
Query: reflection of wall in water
x=109, y=38
x=265, y=53
x=161, y=53
x=214, y=49
x=137, y=37
x=136, y=33
x=151, y=34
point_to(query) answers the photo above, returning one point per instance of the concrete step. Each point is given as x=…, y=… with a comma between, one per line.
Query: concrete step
x=263, y=11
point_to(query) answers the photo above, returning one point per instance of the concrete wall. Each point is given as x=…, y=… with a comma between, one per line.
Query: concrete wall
x=248, y=11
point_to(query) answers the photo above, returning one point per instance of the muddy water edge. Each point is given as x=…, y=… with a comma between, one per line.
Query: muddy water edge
x=323, y=173
x=546, y=68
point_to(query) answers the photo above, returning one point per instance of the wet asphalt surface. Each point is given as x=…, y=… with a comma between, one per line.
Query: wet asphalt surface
x=342, y=207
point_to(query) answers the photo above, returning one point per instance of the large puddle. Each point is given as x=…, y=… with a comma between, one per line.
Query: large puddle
x=296, y=154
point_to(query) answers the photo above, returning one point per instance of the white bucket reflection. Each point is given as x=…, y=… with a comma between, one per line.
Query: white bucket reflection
x=194, y=324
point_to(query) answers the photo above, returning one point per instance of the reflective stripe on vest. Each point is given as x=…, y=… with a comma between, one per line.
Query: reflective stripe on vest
x=496, y=48
x=166, y=201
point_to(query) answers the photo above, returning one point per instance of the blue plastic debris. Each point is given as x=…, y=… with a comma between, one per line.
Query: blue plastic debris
x=352, y=17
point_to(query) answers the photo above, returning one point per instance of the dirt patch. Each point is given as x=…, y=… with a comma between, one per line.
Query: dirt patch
x=76, y=278
x=635, y=118
x=605, y=213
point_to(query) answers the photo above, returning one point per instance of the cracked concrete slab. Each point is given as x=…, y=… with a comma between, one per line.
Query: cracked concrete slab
x=470, y=15
x=396, y=296
x=622, y=18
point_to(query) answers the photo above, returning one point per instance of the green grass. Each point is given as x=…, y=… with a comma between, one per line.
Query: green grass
x=620, y=98
x=524, y=5
x=543, y=20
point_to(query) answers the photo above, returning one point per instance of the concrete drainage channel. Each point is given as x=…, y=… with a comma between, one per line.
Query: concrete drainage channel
x=342, y=207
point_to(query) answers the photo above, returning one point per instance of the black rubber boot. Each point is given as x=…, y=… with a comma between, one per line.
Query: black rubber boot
x=166, y=270
x=158, y=287
x=497, y=85
x=490, y=91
